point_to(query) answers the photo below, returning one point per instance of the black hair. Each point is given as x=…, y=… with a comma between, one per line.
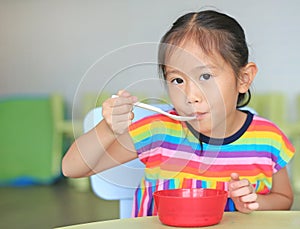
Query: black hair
x=212, y=31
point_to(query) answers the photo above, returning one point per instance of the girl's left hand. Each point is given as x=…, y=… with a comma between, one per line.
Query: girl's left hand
x=243, y=194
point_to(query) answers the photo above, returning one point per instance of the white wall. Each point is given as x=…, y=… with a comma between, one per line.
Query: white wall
x=76, y=46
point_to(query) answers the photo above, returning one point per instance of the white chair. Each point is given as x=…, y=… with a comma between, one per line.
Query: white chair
x=118, y=183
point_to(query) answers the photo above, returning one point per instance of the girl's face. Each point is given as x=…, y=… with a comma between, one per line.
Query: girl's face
x=204, y=86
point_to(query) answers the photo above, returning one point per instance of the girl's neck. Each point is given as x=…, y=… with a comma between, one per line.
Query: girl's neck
x=235, y=129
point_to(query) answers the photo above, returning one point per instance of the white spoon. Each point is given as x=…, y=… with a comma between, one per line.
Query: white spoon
x=158, y=110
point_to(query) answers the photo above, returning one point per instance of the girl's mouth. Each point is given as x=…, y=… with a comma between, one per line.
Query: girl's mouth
x=200, y=115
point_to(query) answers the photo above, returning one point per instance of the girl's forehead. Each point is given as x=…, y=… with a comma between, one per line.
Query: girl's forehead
x=190, y=56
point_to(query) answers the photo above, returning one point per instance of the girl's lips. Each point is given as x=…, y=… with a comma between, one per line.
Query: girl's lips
x=200, y=115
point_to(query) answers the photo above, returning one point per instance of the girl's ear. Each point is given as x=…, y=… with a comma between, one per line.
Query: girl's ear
x=247, y=76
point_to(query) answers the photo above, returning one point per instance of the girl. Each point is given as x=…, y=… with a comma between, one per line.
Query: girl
x=203, y=59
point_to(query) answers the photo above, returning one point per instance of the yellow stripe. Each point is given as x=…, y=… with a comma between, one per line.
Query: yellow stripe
x=262, y=134
x=150, y=129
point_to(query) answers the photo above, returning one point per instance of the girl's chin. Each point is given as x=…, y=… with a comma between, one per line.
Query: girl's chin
x=201, y=127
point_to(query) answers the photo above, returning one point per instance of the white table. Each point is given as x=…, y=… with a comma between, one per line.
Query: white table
x=231, y=220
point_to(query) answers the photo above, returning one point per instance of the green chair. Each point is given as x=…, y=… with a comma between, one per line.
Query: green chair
x=31, y=143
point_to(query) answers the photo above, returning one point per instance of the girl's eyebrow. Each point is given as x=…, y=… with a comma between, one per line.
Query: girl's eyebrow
x=173, y=71
x=197, y=68
x=200, y=67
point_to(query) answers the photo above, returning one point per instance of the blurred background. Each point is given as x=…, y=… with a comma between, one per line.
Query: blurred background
x=59, y=59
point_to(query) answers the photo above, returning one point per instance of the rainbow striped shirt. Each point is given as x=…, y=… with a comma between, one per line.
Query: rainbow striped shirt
x=173, y=157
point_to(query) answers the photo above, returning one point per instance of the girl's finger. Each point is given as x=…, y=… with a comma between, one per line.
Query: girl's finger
x=121, y=100
x=252, y=206
x=126, y=94
x=252, y=197
x=240, y=183
x=123, y=93
x=235, y=176
x=119, y=110
x=246, y=190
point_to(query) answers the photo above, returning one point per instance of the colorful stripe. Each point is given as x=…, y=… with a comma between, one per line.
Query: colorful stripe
x=173, y=158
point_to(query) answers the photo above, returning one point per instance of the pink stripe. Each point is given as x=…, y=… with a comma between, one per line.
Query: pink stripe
x=216, y=161
x=160, y=185
x=194, y=185
x=145, y=202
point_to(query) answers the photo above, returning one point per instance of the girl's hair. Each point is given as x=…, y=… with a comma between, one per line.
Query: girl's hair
x=212, y=31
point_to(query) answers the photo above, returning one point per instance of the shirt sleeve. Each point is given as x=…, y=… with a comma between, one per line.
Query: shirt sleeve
x=284, y=152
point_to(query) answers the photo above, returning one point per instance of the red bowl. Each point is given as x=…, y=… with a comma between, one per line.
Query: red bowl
x=190, y=207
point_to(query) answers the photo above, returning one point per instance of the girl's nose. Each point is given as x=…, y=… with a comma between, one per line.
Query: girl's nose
x=193, y=93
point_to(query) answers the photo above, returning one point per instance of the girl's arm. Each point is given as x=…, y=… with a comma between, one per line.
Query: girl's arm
x=95, y=151
x=246, y=200
x=281, y=196
x=106, y=145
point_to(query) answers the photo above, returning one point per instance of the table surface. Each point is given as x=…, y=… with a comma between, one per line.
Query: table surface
x=230, y=220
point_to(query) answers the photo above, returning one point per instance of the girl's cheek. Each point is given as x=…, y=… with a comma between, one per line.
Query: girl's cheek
x=176, y=93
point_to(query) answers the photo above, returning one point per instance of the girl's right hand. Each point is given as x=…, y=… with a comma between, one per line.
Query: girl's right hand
x=117, y=112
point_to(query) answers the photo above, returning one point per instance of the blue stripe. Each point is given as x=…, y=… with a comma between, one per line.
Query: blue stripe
x=139, y=198
x=188, y=142
x=172, y=184
x=230, y=205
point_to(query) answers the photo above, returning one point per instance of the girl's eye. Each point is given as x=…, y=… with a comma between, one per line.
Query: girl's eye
x=177, y=81
x=205, y=76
